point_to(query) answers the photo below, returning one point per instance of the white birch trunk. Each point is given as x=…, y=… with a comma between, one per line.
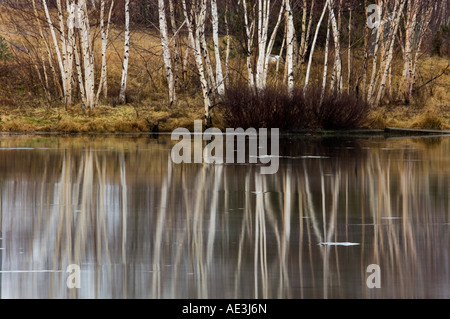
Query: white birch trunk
x=185, y=62
x=80, y=76
x=201, y=25
x=215, y=26
x=306, y=29
x=313, y=46
x=69, y=48
x=290, y=48
x=423, y=30
x=390, y=52
x=303, y=35
x=123, y=86
x=194, y=40
x=411, y=18
x=272, y=41
x=48, y=51
x=176, y=50
x=87, y=54
x=418, y=19
x=67, y=84
x=263, y=25
x=336, y=81
x=57, y=50
x=103, y=84
x=227, y=52
x=166, y=51
x=249, y=29
x=379, y=38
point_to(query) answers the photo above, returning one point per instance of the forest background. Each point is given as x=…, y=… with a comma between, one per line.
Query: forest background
x=154, y=65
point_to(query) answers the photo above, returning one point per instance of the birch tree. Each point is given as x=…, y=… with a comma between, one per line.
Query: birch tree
x=198, y=15
x=258, y=22
x=249, y=32
x=313, y=46
x=48, y=51
x=215, y=27
x=363, y=76
x=75, y=48
x=123, y=86
x=67, y=61
x=325, y=63
x=201, y=28
x=382, y=13
x=336, y=81
x=175, y=40
x=418, y=18
x=57, y=50
x=306, y=28
x=227, y=51
x=265, y=44
x=389, y=54
x=290, y=47
x=87, y=54
x=104, y=31
x=166, y=52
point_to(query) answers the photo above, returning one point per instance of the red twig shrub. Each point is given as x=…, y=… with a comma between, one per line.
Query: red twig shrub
x=273, y=107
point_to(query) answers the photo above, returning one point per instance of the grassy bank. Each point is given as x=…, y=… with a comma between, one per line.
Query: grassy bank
x=130, y=119
x=103, y=119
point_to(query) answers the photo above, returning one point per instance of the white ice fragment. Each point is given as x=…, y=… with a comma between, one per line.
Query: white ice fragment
x=339, y=244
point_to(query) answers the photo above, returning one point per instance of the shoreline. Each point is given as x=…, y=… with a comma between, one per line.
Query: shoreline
x=387, y=132
x=148, y=119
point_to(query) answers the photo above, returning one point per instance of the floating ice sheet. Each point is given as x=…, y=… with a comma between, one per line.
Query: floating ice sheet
x=338, y=244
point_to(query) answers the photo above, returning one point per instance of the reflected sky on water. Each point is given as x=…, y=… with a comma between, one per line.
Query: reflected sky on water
x=140, y=226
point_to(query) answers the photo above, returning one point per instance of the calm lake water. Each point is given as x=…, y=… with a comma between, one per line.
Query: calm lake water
x=140, y=226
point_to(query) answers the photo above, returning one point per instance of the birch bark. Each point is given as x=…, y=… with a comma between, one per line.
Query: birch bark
x=166, y=51
x=249, y=32
x=49, y=54
x=227, y=52
x=396, y=21
x=123, y=87
x=325, y=64
x=313, y=46
x=68, y=87
x=290, y=47
x=57, y=49
x=176, y=50
x=103, y=84
x=87, y=54
x=215, y=26
x=379, y=38
x=194, y=39
x=336, y=81
x=306, y=29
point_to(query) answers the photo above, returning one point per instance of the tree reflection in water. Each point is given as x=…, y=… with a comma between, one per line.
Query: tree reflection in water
x=140, y=226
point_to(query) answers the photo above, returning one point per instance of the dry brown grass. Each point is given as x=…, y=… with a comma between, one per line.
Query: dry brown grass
x=126, y=118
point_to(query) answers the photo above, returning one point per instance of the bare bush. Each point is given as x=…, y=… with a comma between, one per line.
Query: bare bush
x=274, y=107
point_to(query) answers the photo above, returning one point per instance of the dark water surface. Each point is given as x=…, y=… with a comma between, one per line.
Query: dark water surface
x=140, y=226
